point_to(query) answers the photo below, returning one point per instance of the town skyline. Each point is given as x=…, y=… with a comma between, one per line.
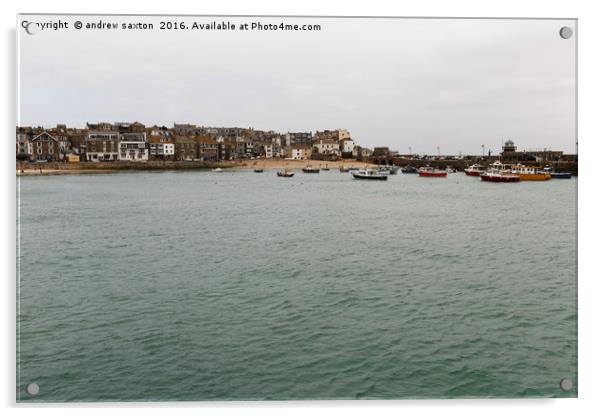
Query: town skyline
x=425, y=83
x=483, y=150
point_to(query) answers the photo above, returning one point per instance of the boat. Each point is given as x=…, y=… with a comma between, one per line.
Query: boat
x=326, y=168
x=343, y=169
x=391, y=170
x=498, y=172
x=285, y=173
x=530, y=173
x=557, y=175
x=475, y=170
x=409, y=169
x=561, y=175
x=430, y=172
x=384, y=170
x=374, y=174
x=450, y=169
x=310, y=169
x=258, y=170
x=217, y=170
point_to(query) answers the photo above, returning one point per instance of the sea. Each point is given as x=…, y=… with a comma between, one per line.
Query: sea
x=236, y=285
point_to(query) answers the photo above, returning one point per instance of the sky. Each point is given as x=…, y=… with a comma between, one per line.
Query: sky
x=430, y=85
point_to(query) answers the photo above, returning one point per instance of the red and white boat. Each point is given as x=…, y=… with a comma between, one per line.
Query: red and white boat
x=498, y=172
x=429, y=172
x=475, y=170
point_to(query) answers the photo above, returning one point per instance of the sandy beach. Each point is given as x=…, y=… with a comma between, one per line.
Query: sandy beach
x=92, y=168
x=297, y=164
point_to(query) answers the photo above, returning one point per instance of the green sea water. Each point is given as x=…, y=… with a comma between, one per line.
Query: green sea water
x=238, y=285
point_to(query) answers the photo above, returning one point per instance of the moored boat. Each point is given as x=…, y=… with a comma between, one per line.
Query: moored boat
x=343, y=169
x=557, y=175
x=409, y=169
x=475, y=170
x=310, y=169
x=498, y=172
x=258, y=170
x=530, y=173
x=217, y=170
x=373, y=174
x=430, y=172
x=285, y=173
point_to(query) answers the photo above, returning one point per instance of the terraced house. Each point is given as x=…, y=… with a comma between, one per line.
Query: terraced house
x=160, y=148
x=207, y=148
x=102, y=143
x=185, y=148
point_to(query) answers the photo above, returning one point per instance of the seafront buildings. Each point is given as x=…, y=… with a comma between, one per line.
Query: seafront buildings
x=135, y=142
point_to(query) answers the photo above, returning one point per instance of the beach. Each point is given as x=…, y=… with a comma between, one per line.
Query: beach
x=36, y=169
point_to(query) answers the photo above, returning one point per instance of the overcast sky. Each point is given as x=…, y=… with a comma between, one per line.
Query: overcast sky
x=419, y=83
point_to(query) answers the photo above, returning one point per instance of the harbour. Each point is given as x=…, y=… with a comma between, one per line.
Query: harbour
x=405, y=288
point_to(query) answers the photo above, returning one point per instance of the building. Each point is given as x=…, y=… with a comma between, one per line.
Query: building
x=300, y=138
x=244, y=148
x=338, y=134
x=510, y=153
x=160, y=148
x=185, y=129
x=268, y=150
x=207, y=148
x=24, y=146
x=45, y=147
x=226, y=150
x=102, y=143
x=346, y=146
x=327, y=147
x=185, y=148
x=297, y=152
x=132, y=142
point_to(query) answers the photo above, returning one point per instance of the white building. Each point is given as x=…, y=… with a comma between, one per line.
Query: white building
x=327, y=147
x=346, y=145
x=132, y=147
x=269, y=150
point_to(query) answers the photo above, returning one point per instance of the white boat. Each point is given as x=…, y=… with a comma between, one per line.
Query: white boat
x=217, y=170
x=374, y=174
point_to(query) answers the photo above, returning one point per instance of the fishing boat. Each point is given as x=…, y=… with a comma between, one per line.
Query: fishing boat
x=430, y=172
x=285, y=173
x=499, y=172
x=409, y=169
x=475, y=170
x=530, y=173
x=374, y=174
x=310, y=169
x=258, y=170
x=343, y=169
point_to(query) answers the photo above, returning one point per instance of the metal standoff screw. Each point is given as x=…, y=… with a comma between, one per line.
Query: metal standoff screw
x=32, y=389
x=566, y=32
x=566, y=384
